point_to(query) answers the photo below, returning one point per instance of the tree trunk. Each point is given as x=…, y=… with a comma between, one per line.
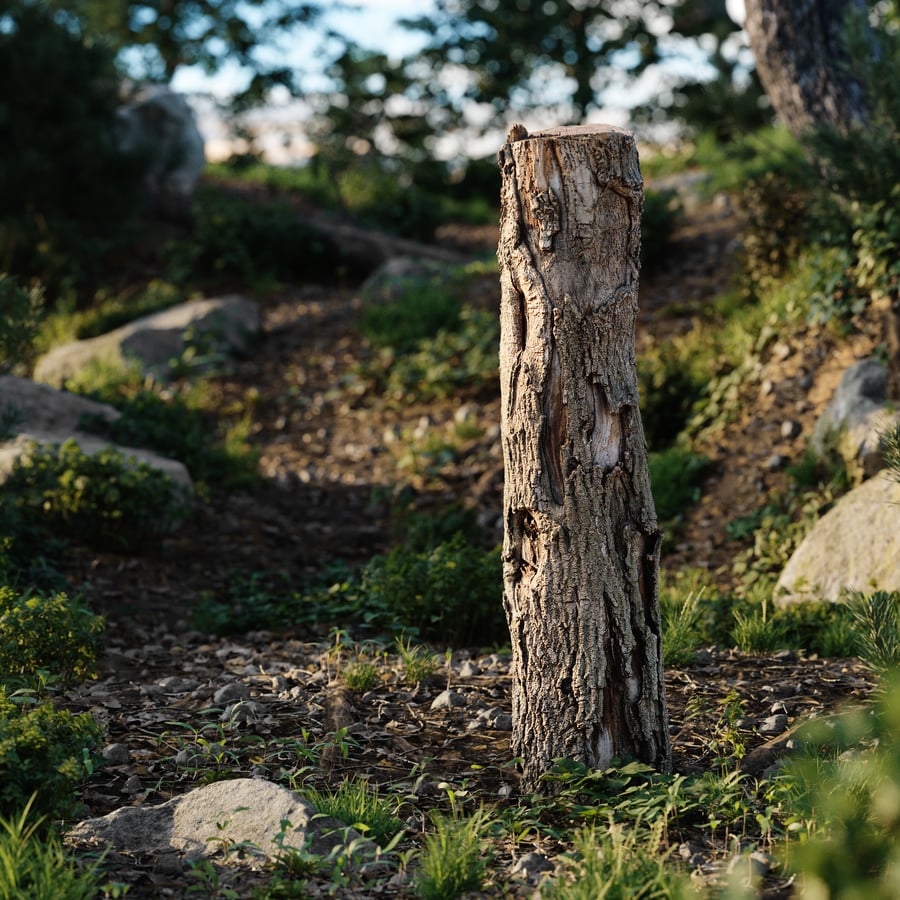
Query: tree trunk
x=581, y=544
x=801, y=61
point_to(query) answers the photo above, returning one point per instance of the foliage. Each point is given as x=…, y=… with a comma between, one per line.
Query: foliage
x=19, y=323
x=65, y=188
x=208, y=34
x=34, y=864
x=357, y=803
x=675, y=474
x=617, y=864
x=418, y=662
x=102, y=499
x=890, y=450
x=842, y=796
x=44, y=752
x=680, y=632
x=176, y=425
x=452, y=861
x=235, y=240
x=876, y=618
x=449, y=594
x=52, y=633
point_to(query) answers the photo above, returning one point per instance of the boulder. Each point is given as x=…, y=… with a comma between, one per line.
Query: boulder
x=251, y=812
x=854, y=546
x=221, y=324
x=47, y=416
x=159, y=125
x=855, y=419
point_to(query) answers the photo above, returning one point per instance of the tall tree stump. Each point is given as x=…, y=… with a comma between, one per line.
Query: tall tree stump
x=581, y=543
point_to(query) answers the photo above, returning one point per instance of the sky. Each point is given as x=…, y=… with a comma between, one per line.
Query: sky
x=374, y=25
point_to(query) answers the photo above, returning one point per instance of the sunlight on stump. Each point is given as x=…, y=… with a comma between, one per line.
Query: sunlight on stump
x=581, y=543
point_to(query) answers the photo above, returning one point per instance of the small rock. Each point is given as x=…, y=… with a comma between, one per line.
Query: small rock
x=469, y=669
x=116, y=754
x=785, y=655
x=790, y=429
x=530, y=867
x=778, y=708
x=775, y=462
x=133, y=785
x=774, y=725
x=448, y=699
x=781, y=351
x=242, y=711
x=756, y=865
x=766, y=388
x=237, y=690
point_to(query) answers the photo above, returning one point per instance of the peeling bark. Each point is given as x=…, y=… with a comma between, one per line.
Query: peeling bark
x=581, y=545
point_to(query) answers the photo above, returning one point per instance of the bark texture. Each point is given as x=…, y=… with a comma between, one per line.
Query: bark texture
x=581, y=542
x=801, y=60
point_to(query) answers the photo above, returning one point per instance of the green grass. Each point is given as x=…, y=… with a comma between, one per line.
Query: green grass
x=358, y=803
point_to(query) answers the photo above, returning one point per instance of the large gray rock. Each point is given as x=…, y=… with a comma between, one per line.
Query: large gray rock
x=47, y=416
x=855, y=418
x=855, y=546
x=247, y=811
x=159, y=125
x=228, y=324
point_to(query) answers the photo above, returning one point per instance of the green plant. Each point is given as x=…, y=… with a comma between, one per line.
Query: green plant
x=450, y=593
x=675, y=474
x=618, y=863
x=34, y=865
x=103, y=499
x=360, y=675
x=236, y=240
x=19, y=324
x=452, y=860
x=876, y=621
x=659, y=215
x=890, y=450
x=418, y=662
x=52, y=633
x=44, y=752
x=757, y=632
x=356, y=803
x=680, y=634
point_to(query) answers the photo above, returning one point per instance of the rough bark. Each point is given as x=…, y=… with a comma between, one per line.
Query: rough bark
x=801, y=60
x=581, y=540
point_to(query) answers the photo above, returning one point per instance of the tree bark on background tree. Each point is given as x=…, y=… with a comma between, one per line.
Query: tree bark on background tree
x=581, y=545
x=801, y=60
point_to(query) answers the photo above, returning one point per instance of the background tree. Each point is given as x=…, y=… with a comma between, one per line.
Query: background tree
x=153, y=39
x=803, y=61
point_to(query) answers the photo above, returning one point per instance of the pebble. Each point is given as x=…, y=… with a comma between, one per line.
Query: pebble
x=790, y=429
x=242, y=711
x=469, y=669
x=530, y=867
x=776, y=461
x=237, y=690
x=116, y=754
x=774, y=725
x=448, y=699
x=133, y=785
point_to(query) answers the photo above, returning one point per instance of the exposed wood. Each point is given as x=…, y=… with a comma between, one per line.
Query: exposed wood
x=581, y=542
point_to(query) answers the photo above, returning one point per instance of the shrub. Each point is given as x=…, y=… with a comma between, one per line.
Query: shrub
x=56, y=634
x=449, y=594
x=675, y=475
x=452, y=861
x=103, y=500
x=44, y=752
x=19, y=322
x=360, y=805
x=658, y=218
x=65, y=188
x=235, y=240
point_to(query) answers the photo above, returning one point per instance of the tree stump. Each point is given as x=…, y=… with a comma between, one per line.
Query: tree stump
x=581, y=543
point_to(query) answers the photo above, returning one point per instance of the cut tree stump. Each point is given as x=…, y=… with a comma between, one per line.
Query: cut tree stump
x=581, y=543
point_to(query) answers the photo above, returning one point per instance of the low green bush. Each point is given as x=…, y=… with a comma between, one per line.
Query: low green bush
x=52, y=633
x=450, y=594
x=103, y=500
x=659, y=216
x=19, y=323
x=45, y=752
x=675, y=475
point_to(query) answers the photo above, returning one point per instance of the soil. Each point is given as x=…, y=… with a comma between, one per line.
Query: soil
x=331, y=462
